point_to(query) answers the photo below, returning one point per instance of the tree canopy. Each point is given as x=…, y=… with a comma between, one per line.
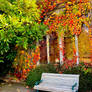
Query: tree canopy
x=19, y=25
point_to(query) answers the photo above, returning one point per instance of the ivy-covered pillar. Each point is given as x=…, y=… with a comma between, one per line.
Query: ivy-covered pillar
x=48, y=54
x=77, y=50
x=61, y=50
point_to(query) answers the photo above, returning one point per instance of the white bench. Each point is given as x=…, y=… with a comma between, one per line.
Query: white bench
x=58, y=83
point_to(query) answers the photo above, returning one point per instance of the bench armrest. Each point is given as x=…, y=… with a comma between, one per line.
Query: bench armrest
x=74, y=86
x=37, y=83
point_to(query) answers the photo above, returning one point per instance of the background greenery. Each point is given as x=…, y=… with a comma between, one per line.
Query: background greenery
x=19, y=27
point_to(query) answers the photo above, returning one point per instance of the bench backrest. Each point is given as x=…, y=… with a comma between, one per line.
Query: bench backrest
x=60, y=79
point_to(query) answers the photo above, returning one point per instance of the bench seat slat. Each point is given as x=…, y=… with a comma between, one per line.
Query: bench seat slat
x=57, y=85
x=54, y=89
x=58, y=82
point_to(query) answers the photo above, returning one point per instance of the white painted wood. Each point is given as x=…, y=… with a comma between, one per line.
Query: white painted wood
x=54, y=89
x=77, y=51
x=59, y=77
x=58, y=82
x=48, y=54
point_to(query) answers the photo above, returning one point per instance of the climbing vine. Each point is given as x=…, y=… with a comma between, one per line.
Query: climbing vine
x=23, y=23
x=73, y=15
x=25, y=61
x=66, y=15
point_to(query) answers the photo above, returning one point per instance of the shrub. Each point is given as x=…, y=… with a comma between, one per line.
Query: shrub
x=85, y=72
x=35, y=74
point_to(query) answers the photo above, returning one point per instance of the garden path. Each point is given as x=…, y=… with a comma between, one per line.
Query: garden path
x=14, y=87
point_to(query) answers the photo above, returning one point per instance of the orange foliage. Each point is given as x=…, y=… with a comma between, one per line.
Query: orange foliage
x=72, y=19
x=24, y=62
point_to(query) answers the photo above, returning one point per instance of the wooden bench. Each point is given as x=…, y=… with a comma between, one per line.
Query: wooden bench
x=58, y=83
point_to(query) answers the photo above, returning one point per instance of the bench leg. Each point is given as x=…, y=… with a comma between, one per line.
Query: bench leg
x=37, y=90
